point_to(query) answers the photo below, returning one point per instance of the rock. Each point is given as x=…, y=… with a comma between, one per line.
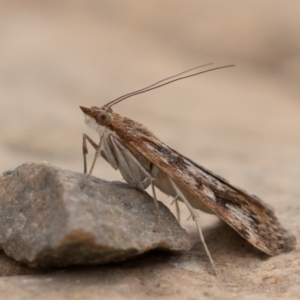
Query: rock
x=46, y=219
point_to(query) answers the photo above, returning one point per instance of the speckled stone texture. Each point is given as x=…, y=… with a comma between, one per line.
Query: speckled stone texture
x=47, y=219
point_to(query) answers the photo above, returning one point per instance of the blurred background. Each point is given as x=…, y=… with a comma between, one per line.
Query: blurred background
x=242, y=122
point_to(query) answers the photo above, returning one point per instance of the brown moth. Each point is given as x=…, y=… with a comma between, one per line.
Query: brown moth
x=144, y=160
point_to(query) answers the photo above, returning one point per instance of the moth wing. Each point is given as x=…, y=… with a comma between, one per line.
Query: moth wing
x=248, y=215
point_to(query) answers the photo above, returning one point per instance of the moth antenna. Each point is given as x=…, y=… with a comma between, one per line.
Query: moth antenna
x=111, y=103
x=155, y=86
x=189, y=70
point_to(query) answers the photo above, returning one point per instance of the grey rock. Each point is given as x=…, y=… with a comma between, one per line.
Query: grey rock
x=47, y=219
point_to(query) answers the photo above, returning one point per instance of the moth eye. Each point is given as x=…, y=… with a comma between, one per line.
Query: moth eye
x=103, y=118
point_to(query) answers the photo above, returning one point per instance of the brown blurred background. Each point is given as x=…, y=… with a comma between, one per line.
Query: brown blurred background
x=242, y=122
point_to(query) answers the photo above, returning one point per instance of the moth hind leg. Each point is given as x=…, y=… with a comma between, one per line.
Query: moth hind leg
x=196, y=218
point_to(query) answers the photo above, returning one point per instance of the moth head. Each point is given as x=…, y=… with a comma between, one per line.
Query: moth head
x=97, y=116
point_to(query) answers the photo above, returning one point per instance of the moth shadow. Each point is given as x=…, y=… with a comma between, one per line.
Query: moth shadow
x=224, y=242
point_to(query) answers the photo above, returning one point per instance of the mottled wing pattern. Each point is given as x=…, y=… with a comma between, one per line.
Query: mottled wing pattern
x=247, y=214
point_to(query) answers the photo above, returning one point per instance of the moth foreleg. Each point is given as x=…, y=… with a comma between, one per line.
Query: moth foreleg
x=97, y=153
x=85, y=149
x=196, y=219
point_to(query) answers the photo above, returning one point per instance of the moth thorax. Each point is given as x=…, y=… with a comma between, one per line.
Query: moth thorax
x=103, y=118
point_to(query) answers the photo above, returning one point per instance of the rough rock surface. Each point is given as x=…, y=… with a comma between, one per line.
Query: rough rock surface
x=47, y=219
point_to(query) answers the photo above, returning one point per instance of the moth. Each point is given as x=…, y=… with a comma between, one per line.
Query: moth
x=144, y=161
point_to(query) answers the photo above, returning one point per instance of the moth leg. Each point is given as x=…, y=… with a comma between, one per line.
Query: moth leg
x=189, y=217
x=132, y=164
x=177, y=208
x=146, y=172
x=196, y=219
x=98, y=151
x=85, y=149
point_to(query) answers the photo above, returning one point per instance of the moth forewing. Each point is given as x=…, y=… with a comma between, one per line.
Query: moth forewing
x=248, y=215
